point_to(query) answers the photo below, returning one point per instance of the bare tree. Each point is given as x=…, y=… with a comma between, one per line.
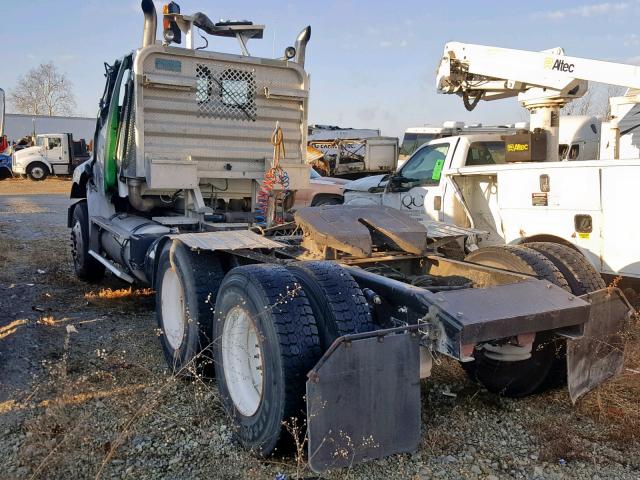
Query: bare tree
x=581, y=106
x=611, y=91
x=44, y=91
x=594, y=102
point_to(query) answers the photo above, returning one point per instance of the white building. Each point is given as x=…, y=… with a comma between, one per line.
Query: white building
x=17, y=126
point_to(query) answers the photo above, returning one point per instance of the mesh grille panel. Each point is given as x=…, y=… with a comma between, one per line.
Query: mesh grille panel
x=227, y=93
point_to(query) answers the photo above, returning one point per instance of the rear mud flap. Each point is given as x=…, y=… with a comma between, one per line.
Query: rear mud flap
x=598, y=354
x=363, y=400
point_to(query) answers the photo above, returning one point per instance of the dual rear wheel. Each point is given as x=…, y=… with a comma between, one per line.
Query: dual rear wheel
x=268, y=328
x=494, y=366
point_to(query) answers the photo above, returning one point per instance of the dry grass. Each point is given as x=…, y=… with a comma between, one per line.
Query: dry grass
x=124, y=298
x=617, y=402
x=559, y=441
x=107, y=294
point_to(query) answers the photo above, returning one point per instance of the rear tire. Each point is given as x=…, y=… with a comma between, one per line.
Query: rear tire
x=582, y=278
x=37, y=171
x=86, y=267
x=186, y=287
x=262, y=373
x=524, y=377
x=338, y=304
x=327, y=201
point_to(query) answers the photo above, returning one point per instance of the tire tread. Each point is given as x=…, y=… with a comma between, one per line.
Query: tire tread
x=585, y=277
x=342, y=299
x=295, y=324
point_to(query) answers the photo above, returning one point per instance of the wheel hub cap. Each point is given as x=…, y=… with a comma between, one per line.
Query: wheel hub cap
x=173, y=309
x=242, y=361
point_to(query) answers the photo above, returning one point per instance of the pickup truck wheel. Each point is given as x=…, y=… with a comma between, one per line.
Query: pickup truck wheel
x=517, y=378
x=338, y=304
x=322, y=200
x=266, y=343
x=186, y=287
x=582, y=278
x=85, y=266
x=37, y=171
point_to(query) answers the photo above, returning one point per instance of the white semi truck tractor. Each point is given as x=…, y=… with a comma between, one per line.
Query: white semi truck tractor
x=334, y=313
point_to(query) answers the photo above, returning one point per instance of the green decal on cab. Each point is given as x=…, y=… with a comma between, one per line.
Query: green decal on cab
x=437, y=170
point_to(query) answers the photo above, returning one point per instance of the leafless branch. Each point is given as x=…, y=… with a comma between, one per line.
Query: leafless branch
x=44, y=91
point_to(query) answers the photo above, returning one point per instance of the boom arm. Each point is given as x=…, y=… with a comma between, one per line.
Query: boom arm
x=543, y=81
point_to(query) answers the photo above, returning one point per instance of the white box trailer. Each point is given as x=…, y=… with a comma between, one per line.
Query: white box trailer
x=19, y=125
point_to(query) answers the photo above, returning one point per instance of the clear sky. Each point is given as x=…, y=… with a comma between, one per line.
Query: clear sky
x=372, y=63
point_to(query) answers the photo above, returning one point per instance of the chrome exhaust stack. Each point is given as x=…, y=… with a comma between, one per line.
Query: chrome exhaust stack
x=301, y=45
x=150, y=23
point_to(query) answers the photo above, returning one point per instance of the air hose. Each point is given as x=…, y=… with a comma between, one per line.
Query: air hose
x=273, y=177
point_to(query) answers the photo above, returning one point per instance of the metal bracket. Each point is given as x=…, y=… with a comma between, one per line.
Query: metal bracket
x=112, y=268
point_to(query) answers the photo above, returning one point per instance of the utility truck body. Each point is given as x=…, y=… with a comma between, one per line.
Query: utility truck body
x=466, y=181
x=335, y=312
x=580, y=204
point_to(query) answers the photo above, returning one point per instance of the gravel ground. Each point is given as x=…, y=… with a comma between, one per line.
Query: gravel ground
x=84, y=392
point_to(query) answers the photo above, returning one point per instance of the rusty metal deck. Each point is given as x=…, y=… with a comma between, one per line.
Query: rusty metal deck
x=356, y=230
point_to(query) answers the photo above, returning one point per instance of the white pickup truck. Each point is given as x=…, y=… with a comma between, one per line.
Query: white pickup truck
x=465, y=181
x=53, y=154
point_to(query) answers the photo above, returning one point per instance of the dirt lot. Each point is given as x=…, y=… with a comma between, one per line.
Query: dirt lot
x=84, y=392
x=52, y=185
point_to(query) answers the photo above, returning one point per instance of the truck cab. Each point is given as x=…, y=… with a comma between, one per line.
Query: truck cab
x=419, y=187
x=52, y=154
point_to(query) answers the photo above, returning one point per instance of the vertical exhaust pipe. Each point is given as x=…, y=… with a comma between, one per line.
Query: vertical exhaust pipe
x=301, y=45
x=150, y=23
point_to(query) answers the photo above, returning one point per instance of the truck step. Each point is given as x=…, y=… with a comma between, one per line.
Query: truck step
x=111, y=267
x=174, y=221
x=224, y=226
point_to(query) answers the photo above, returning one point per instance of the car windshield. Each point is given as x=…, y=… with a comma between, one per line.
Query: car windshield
x=40, y=141
x=426, y=164
x=313, y=174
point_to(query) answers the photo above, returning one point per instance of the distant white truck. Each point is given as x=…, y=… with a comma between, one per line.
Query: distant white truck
x=581, y=137
x=53, y=154
x=465, y=181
